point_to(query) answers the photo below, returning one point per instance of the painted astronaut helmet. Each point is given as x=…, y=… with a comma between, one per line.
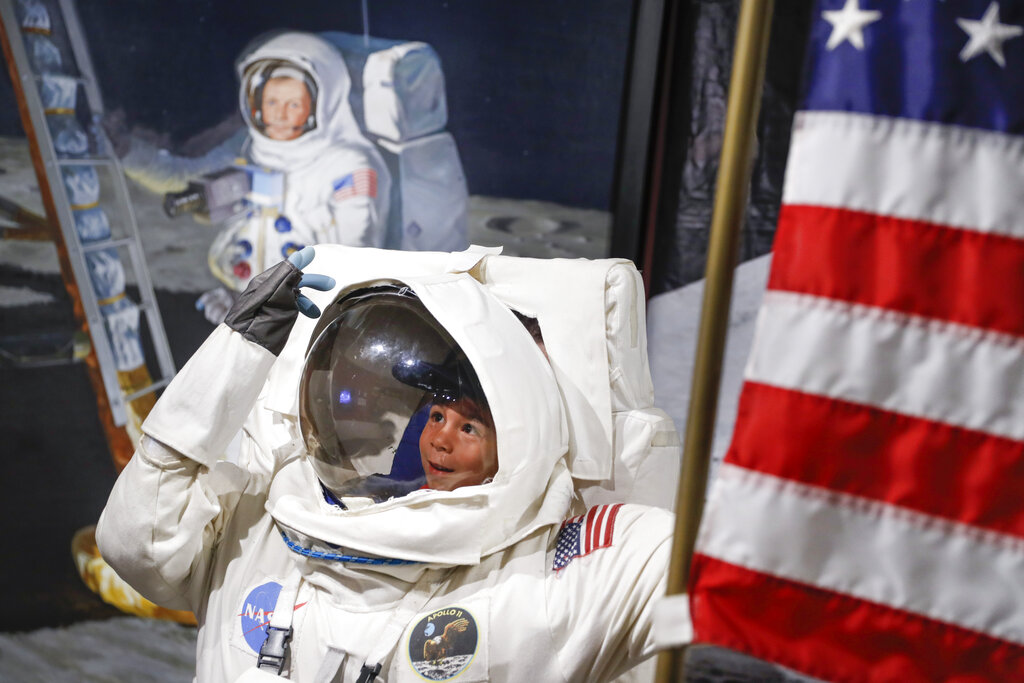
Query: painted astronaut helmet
x=279, y=98
x=389, y=403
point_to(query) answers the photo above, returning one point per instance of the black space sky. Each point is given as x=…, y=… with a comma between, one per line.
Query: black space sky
x=534, y=86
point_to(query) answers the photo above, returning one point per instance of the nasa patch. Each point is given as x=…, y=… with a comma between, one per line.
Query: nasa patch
x=256, y=612
x=443, y=643
x=257, y=609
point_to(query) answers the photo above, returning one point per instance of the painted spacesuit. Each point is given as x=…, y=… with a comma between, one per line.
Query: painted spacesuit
x=336, y=187
x=488, y=581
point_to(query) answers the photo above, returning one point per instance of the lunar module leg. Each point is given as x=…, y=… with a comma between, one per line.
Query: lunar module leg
x=90, y=219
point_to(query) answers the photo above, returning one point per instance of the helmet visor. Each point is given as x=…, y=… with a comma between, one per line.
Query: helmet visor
x=381, y=374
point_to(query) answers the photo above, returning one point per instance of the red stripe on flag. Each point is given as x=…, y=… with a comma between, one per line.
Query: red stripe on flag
x=918, y=268
x=935, y=468
x=837, y=637
x=609, y=526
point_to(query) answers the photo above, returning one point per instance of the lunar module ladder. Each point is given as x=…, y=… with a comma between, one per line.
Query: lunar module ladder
x=50, y=164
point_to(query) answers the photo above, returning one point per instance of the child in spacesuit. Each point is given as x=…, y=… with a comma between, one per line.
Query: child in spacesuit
x=479, y=574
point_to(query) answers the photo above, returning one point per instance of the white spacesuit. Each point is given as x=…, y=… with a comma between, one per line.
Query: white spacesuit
x=485, y=582
x=336, y=187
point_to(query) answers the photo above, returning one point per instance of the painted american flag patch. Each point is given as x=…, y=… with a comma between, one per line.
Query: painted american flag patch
x=360, y=183
x=582, y=535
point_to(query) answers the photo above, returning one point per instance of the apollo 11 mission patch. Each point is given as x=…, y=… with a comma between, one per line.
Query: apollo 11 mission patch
x=443, y=643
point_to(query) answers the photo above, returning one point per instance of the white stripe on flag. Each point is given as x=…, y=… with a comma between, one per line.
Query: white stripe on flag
x=921, y=367
x=868, y=550
x=595, y=521
x=930, y=172
x=602, y=526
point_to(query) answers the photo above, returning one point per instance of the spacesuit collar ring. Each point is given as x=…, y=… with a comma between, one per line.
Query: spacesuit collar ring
x=307, y=547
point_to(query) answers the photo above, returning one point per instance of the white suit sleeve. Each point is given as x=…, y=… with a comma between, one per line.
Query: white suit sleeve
x=209, y=399
x=601, y=605
x=164, y=515
x=162, y=520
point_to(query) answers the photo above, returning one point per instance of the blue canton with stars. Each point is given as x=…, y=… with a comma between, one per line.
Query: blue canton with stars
x=953, y=62
x=568, y=546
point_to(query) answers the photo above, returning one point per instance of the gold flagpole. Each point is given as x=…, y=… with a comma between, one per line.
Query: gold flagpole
x=731, y=192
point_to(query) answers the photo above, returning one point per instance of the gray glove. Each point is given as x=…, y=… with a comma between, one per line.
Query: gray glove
x=265, y=312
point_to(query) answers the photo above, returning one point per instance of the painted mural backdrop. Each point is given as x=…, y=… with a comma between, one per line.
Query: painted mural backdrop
x=509, y=112
x=464, y=122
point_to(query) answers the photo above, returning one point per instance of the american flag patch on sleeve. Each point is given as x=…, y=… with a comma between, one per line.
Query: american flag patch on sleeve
x=582, y=535
x=360, y=183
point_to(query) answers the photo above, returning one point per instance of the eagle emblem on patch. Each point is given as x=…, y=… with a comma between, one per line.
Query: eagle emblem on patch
x=443, y=643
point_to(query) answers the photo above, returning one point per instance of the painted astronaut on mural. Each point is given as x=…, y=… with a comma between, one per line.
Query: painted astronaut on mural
x=320, y=179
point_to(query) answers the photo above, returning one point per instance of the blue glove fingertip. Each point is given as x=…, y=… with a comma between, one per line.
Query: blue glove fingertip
x=307, y=307
x=317, y=281
x=302, y=258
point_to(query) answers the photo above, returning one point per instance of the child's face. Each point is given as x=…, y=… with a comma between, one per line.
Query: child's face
x=457, y=448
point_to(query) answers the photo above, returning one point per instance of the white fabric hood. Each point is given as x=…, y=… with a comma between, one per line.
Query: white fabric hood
x=336, y=126
x=532, y=488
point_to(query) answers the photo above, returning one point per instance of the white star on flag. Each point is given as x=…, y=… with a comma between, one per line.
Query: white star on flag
x=987, y=35
x=848, y=24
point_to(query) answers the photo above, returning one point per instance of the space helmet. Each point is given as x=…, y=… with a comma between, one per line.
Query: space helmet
x=259, y=73
x=378, y=364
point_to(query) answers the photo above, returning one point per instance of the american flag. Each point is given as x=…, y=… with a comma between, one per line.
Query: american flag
x=362, y=182
x=868, y=522
x=582, y=535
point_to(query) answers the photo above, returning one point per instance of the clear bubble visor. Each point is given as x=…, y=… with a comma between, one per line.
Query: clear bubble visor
x=389, y=402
